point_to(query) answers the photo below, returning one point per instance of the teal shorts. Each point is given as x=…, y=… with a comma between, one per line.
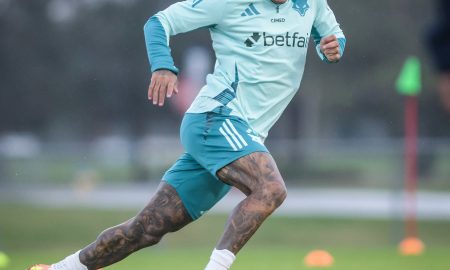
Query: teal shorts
x=211, y=141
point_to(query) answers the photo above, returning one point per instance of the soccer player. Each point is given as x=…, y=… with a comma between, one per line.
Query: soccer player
x=260, y=47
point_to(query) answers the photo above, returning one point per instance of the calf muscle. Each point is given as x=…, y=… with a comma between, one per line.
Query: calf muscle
x=164, y=213
x=257, y=176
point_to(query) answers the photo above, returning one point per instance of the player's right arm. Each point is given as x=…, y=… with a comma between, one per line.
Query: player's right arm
x=178, y=18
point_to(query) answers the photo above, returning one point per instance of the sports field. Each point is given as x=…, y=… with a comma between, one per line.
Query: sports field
x=31, y=235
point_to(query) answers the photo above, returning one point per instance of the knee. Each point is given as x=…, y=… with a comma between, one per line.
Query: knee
x=279, y=193
x=135, y=231
x=275, y=193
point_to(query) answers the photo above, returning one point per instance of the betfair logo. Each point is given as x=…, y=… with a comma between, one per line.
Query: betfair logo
x=284, y=40
x=249, y=42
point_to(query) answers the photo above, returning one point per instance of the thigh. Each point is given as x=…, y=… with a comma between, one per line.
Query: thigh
x=251, y=172
x=197, y=188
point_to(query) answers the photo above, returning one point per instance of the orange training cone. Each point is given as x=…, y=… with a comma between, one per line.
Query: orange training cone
x=319, y=258
x=411, y=246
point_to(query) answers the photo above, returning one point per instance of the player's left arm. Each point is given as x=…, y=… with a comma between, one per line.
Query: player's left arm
x=327, y=34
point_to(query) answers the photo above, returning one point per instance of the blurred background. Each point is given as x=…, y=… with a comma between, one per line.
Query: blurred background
x=77, y=130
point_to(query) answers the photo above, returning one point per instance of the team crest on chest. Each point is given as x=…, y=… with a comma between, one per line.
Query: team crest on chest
x=301, y=6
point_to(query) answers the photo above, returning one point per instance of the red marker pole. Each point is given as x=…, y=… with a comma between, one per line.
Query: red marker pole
x=411, y=119
x=409, y=84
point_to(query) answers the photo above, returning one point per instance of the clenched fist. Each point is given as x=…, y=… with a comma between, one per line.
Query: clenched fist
x=330, y=48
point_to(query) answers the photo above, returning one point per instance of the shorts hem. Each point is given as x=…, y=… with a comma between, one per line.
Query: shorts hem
x=193, y=217
x=234, y=158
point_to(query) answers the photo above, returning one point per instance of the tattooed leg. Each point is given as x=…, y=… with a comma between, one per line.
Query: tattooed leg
x=164, y=213
x=257, y=176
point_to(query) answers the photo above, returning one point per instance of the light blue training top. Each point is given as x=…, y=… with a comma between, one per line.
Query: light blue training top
x=260, y=49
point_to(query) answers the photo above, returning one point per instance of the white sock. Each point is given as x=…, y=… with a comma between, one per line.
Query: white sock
x=71, y=262
x=220, y=260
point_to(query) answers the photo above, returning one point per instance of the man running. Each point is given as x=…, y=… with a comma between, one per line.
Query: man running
x=260, y=47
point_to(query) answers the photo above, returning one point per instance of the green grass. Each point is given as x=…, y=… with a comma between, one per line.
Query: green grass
x=256, y=258
x=30, y=235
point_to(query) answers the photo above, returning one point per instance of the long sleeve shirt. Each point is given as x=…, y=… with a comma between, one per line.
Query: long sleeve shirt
x=260, y=49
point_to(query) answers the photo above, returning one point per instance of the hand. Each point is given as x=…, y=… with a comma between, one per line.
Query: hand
x=330, y=48
x=163, y=84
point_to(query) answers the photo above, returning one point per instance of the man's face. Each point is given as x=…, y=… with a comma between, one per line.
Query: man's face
x=279, y=1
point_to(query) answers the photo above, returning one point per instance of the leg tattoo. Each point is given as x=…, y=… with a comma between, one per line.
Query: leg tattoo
x=257, y=176
x=164, y=213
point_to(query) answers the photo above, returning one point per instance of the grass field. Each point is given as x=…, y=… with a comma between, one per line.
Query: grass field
x=31, y=235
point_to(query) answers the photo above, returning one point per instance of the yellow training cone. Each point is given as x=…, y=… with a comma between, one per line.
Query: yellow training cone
x=4, y=260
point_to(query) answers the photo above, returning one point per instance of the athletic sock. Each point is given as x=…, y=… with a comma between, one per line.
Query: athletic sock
x=71, y=262
x=220, y=260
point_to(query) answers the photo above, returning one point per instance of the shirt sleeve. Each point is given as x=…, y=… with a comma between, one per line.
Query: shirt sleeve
x=325, y=25
x=178, y=18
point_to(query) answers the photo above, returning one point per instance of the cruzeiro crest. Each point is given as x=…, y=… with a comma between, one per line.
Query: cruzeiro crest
x=301, y=6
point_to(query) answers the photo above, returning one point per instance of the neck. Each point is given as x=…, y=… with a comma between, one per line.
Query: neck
x=279, y=2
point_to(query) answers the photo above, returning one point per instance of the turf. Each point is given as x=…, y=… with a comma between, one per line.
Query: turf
x=31, y=235
x=259, y=259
